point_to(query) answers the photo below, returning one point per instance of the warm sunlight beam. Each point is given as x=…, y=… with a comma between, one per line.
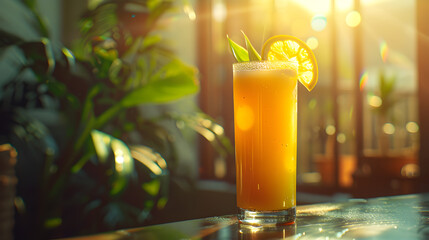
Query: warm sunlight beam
x=315, y=6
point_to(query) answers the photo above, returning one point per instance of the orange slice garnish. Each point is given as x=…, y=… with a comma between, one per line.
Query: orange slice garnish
x=289, y=48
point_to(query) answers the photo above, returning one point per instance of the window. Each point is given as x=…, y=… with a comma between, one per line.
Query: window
x=360, y=123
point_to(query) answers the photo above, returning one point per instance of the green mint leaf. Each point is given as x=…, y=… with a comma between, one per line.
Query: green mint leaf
x=240, y=53
x=253, y=54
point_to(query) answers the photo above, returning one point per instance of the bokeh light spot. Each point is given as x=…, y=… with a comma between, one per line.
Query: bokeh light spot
x=412, y=127
x=220, y=167
x=341, y=138
x=330, y=130
x=410, y=170
x=388, y=128
x=318, y=23
x=245, y=118
x=312, y=103
x=312, y=42
x=375, y=101
x=353, y=19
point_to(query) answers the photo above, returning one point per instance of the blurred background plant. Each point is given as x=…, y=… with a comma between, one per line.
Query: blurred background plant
x=382, y=104
x=90, y=157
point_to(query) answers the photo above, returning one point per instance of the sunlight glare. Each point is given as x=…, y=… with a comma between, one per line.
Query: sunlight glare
x=190, y=12
x=315, y=6
x=146, y=161
x=280, y=4
x=123, y=161
x=219, y=11
x=299, y=26
x=218, y=129
x=343, y=5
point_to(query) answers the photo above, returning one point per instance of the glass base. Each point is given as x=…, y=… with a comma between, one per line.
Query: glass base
x=259, y=218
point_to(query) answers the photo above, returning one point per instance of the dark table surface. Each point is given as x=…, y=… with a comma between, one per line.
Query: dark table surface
x=398, y=217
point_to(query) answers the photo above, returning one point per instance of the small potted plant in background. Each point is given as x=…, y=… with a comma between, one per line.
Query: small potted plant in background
x=381, y=169
x=386, y=101
x=88, y=160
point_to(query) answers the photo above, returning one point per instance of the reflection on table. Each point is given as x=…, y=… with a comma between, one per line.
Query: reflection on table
x=399, y=217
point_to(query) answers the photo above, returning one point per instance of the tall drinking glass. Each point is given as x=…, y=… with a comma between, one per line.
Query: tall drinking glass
x=265, y=121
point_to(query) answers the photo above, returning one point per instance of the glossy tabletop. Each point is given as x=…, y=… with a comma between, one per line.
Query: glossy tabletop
x=399, y=217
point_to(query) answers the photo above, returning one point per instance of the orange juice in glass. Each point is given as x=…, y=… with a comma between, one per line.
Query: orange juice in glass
x=265, y=121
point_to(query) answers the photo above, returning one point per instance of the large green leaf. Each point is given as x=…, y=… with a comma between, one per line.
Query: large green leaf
x=173, y=81
x=17, y=20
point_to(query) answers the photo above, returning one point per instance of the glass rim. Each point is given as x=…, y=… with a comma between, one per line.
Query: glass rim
x=264, y=65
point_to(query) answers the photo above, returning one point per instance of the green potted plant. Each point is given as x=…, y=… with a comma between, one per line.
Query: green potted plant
x=387, y=100
x=380, y=173
x=88, y=160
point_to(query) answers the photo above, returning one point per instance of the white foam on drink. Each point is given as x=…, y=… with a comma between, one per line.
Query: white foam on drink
x=285, y=67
